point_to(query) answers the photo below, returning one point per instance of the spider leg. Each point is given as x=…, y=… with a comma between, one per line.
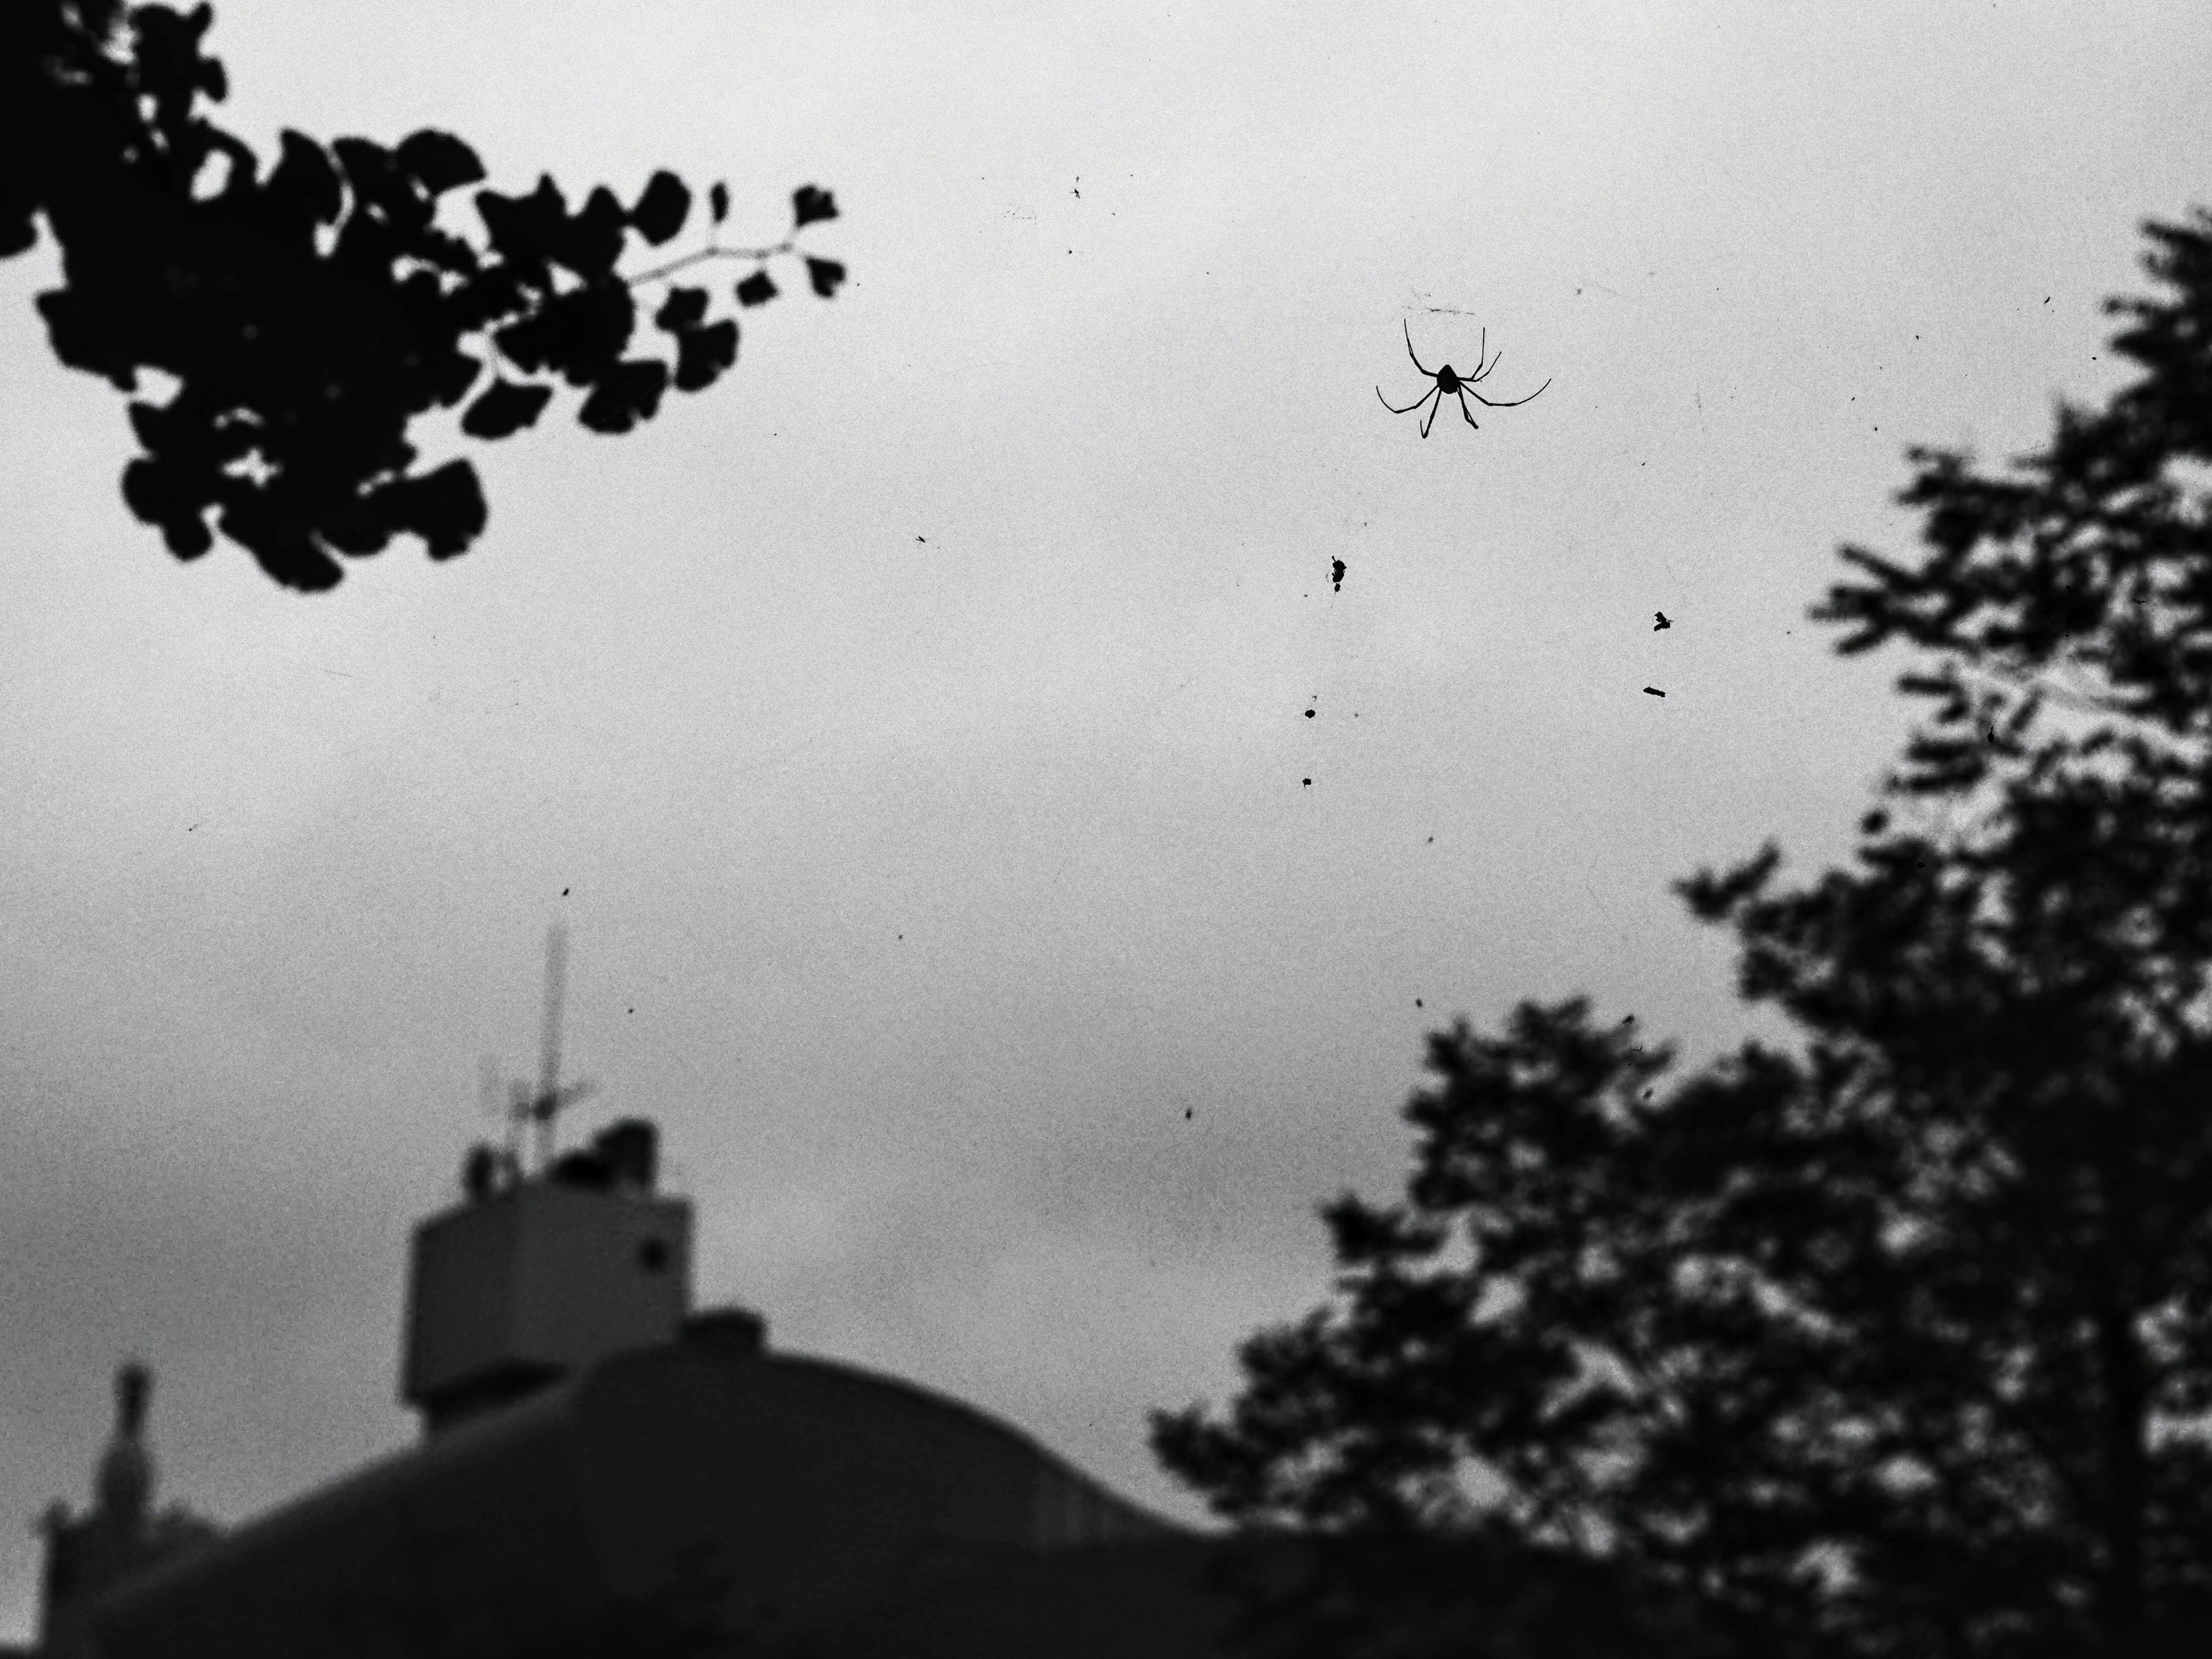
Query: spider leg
x=1409, y=349
x=1485, y=374
x=1465, y=410
x=1436, y=403
x=1394, y=408
x=1489, y=404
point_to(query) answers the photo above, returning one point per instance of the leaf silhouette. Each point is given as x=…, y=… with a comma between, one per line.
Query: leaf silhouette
x=525, y=228
x=825, y=275
x=438, y=161
x=446, y=507
x=155, y=493
x=661, y=211
x=808, y=204
x=684, y=308
x=75, y=343
x=591, y=242
x=702, y=354
x=304, y=182
x=505, y=408
x=629, y=393
x=581, y=334
x=374, y=174
x=756, y=289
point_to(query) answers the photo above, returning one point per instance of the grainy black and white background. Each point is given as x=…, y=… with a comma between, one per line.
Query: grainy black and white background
x=912, y=730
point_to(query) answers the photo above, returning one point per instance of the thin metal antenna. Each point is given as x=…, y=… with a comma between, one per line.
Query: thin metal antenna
x=520, y=1108
x=550, y=1097
x=489, y=1103
x=549, y=1049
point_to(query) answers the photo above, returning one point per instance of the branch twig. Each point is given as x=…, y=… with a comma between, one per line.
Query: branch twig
x=756, y=255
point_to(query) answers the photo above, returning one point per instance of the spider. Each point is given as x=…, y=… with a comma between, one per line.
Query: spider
x=1450, y=383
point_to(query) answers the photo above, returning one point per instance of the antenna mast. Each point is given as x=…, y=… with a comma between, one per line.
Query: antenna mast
x=549, y=1047
x=489, y=1090
x=551, y=1096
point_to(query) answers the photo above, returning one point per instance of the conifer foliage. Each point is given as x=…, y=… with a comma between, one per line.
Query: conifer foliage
x=308, y=312
x=1898, y=1340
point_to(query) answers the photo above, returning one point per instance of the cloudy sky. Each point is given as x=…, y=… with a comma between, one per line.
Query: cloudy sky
x=913, y=730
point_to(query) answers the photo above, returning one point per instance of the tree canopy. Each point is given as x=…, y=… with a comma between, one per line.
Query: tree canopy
x=310, y=312
x=1897, y=1341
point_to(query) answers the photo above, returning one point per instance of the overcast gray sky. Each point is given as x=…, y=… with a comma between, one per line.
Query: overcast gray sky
x=957, y=905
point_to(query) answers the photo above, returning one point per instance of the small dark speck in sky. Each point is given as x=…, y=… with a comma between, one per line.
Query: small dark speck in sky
x=921, y=538
x=1186, y=1114
x=564, y=892
x=1653, y=691
x=1661, y=623
x=1306, y=782
x=1417, y=1002
x=1431, y=842
x=1309, y=714
x=1336, y=574
x=633, y=1011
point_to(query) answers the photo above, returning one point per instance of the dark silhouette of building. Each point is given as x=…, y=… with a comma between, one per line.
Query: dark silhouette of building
x=597, y=1457
x=119, y=1537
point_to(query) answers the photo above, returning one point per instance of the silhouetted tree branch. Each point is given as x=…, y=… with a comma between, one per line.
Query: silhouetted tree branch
x=309, y=314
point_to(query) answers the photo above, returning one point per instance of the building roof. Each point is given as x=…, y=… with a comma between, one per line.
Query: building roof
x=779, y=1493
